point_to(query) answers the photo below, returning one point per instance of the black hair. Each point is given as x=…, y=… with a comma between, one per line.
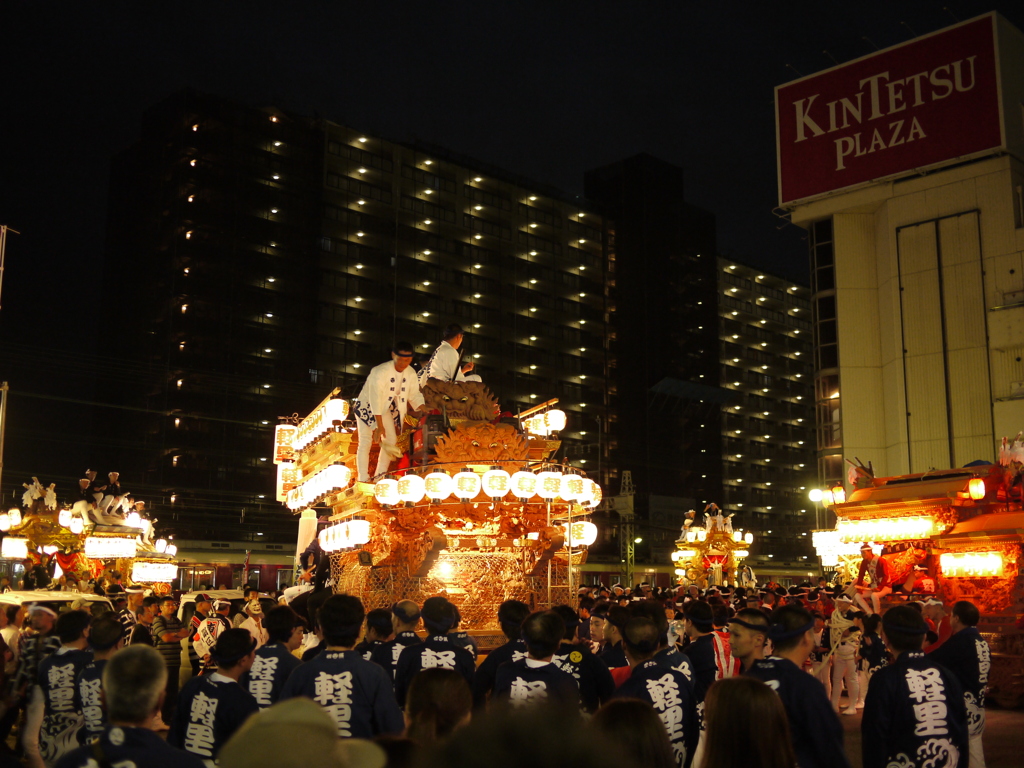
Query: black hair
x=12, y=612
x=618, y=615
x=71, y=625
x=403, y=348
x=720, y=614
x=967, y=612
x=640, y=636
x=279, y=623
x=231, y=647
x=904, y=628
x=313, y=604
x=149, y=600
x=871, y=622
x=542, y=633
x=785, y=625
x=451, y=331
x=570, y=618
x=586, y=603
x=916, y=606
x=379, y=620
x=438, y=615
x=341, y=618
x=700, y=615
x=106, y=631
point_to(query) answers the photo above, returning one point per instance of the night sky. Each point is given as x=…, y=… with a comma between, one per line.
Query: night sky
x=546, y=89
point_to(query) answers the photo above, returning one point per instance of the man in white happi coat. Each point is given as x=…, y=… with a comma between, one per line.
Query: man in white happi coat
x=390, y=391
x=444, y=363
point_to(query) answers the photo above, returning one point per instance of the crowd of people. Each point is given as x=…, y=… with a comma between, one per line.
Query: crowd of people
x=684, y=677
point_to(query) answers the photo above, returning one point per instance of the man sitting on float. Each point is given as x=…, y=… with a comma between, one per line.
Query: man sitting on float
x=445, y=363
x=881, y=579
x=391, y=390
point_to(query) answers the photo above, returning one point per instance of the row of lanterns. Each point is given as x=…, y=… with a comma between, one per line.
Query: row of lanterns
x=887, y=529
x=495, y=483
x=335, y=477
x=544, y=424
x=976, y=564
x=351, y=533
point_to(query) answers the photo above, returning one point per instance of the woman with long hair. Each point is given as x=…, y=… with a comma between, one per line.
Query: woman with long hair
x=746, y=726
x=438, y=702
x=634, y=727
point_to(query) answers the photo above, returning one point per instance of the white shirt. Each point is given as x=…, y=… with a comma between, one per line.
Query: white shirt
x=385, y=386
x=259, y=634
x=443, y=364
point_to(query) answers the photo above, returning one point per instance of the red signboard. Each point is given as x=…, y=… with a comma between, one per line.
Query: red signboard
x=925, y=102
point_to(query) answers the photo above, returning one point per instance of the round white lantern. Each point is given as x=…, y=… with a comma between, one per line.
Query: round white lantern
x=438, y=485
x=64, y=518
x=77, y=525
x=549, y=484
x=467, y=485
x=410, y=488
x=524, y=484
x=554, y=420
x=386, y=491
x=570, y=487
x=496, y=483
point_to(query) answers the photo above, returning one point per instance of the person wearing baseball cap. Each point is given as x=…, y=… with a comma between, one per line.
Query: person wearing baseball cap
x=212, y=707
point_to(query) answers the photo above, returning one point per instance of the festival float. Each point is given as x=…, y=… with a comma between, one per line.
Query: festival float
x=963, y=528
x=478, y=509
x=710, y=555
x=105, y=529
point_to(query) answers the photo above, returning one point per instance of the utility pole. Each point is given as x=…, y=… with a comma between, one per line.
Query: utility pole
x=4, y=229
x=4, y=389
x=624, y=506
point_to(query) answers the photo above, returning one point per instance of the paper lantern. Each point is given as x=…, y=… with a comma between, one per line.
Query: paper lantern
x=536, y=425
x=549, y=484
x=438, y=486
x=737, y=536
x=410, y=488
x=596, y=499
x=524, y=484
x=976, y=488
x=702, y=535
x=680, y=572
x=674, y=556
x=971, y=564
x=584, y=533
x=172, y=549
x=386, y=491
x=108, y=548
x=15, y=515
x=133, y=520
x=496, y=483
x=5, y=522
x=64, y=518
x=815, y=494
x=739, y=554
x=570, y=487
x=154, y=572
x=351, y=533
x=14, y=548
x=827, y=498
x=77, y=526
x=587, y=496
x=749, y=538
x=467, y=485
x=554, y=420
x=839, y=495
x=161, y=545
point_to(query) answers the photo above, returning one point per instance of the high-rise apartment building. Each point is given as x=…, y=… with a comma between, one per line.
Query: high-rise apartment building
x=768, y=446
x=260, y=259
